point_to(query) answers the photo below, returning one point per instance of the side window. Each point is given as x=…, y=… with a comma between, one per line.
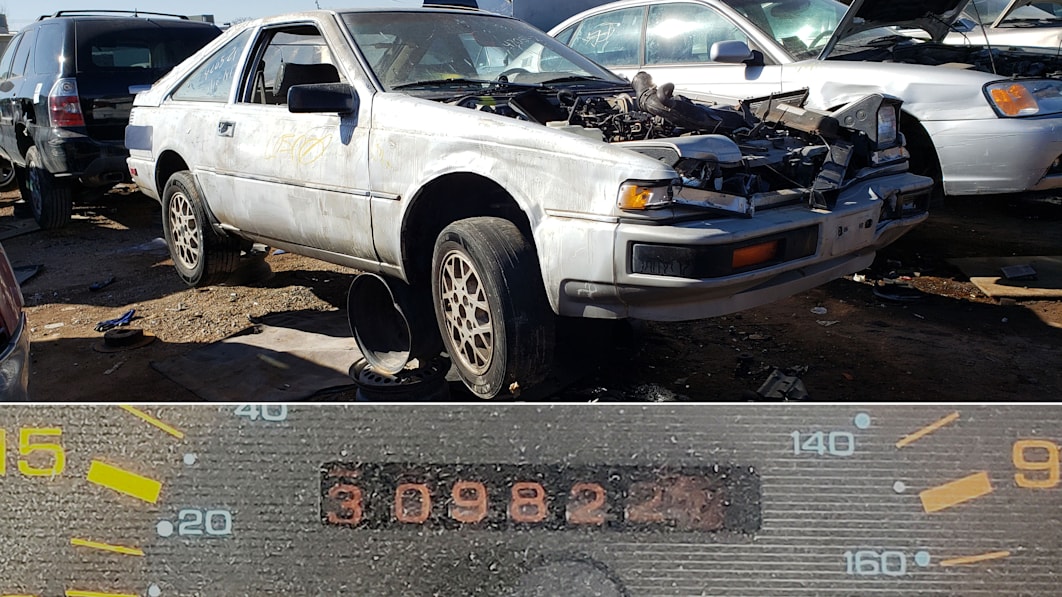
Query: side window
x=285, y=57
x=213, y=80
x=18, y=65
x=9, y=55
x=48, y=54
x=611, y=39
x=684, y=33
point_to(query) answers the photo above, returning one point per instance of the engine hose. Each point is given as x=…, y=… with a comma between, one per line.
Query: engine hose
x=660, y=101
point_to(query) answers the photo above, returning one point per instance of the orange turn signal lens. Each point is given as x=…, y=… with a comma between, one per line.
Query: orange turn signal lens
x=1014, y=99
x=755, y=254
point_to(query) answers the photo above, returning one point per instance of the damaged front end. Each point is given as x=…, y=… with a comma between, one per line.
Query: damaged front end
x=731, y=160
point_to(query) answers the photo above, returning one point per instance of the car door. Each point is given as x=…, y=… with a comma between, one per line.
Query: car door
x=296, y=178
x=7, y=101
x=672, y=42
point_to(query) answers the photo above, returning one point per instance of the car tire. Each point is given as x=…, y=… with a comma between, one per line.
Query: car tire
x=201, y=255
x=8, y=178
x=491, y=307
x=51, y=199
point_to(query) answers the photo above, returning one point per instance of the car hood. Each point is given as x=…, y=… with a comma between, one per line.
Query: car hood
x=1015, y=5
x=933, y=16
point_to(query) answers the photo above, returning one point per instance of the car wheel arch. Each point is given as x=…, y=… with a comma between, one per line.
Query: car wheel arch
x=445, y=200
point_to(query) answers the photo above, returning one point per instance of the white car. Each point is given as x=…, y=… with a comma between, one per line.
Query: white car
x=981, y=121
x=423, y=145
x=1005, y=23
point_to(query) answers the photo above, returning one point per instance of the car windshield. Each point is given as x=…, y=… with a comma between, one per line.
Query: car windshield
x=415, y=51
x=986, y=12
x=802, y=27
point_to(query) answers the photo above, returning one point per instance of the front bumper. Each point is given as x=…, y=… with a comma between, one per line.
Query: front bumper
x=14, y=366
x=829, y=244
x=1003, y=155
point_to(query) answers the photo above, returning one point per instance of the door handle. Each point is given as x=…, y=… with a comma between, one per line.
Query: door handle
x=225, y=128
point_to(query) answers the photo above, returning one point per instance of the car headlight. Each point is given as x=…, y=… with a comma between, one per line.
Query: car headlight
x=642, y=195
x=1014, y=99
x=887, y=125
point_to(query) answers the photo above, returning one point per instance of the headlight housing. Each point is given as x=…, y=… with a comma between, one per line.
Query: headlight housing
x=887, y=125
x=1031, y=97
x=636, y=195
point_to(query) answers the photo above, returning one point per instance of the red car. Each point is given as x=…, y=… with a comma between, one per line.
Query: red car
x=14, y=338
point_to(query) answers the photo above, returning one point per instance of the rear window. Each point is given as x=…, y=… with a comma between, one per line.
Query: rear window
x=137, y=44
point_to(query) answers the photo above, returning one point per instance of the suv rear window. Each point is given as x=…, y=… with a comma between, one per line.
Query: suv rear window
x=108, y=46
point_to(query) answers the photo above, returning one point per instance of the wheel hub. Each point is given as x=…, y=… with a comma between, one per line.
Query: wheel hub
x=466, y=313
x=187, y=247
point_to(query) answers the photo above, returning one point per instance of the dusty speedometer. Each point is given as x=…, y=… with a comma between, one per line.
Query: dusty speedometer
x=158, y=501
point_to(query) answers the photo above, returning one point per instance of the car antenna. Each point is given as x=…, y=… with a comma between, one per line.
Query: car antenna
x=988, y=44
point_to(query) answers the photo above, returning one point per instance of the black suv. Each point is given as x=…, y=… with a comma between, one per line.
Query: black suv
x=67, y=83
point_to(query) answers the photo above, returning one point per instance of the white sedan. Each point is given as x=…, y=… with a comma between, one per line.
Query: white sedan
x=979, y=120
x=494, y=194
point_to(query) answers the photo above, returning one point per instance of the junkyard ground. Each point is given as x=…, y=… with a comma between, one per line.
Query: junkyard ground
x=955, y=344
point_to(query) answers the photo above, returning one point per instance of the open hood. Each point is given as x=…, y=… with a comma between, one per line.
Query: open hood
x=1019, y=4
x=932, y=16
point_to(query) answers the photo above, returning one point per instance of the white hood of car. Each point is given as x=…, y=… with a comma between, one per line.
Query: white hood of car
x=1015, y=5
x=933, y=16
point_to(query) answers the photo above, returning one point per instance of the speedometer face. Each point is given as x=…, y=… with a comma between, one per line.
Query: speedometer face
x=729, y=500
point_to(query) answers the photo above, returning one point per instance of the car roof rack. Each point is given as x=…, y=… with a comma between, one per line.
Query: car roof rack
x=102, y=12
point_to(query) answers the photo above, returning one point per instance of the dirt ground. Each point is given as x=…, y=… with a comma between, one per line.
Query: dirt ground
x=954, y=344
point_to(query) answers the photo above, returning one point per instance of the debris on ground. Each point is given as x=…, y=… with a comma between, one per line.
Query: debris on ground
x=97, y=286
x=24, y=272
x=109, y=324
x=785, y=384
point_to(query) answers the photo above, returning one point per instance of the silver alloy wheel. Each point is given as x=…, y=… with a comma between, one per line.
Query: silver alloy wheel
x=467, y=313
x=185, y=231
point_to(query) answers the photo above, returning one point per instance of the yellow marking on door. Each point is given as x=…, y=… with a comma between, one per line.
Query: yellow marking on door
x=152, y=420
x=956, y=492
x=119, y=549
x=931, y=428
x=73, y=593
x=123, y=481
x=966, y=561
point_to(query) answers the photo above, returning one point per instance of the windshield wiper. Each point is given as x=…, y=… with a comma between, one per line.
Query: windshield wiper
x=443, y=83
x=575, y=78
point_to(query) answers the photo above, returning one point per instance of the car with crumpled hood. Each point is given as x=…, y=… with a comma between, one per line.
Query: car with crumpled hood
x=980, y=120
x=503, y=184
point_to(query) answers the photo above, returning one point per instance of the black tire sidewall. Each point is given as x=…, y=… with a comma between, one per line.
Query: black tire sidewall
x=523, y=322
x=184, y=183
x=50, y=200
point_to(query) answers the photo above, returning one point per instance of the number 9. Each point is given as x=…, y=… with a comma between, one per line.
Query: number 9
x=1048, y=468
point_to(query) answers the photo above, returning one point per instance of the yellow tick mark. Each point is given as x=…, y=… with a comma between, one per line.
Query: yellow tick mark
x=956, y=492
x=18, y=596
x=917, y=435
x=123, y=481
x=119, y=549
x=152, y=420
x=995, y=555
x=72, y=593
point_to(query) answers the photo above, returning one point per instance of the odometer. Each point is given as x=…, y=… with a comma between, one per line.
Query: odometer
x=508, y=497
x=741, y=500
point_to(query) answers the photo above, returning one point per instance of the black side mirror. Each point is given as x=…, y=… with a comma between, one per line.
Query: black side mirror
x=323, y=98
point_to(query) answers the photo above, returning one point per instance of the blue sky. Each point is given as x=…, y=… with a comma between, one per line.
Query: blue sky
x=20, y=12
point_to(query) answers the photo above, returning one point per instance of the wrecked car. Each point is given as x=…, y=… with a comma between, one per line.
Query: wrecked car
x=495, y=199
x=978, y=119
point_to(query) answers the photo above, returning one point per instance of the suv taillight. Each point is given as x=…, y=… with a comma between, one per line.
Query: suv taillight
x=63, y=104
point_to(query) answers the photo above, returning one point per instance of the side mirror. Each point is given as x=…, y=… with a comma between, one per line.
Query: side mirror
x=323, y=98
x=963, y=25
x=731, y=52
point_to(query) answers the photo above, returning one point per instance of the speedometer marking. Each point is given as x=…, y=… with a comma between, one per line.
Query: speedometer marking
x=928, y=429
x=956, y=492
x=123, y=481
x=965, y=561
x=152, y=420
x=70, y=593
x=118, y=549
